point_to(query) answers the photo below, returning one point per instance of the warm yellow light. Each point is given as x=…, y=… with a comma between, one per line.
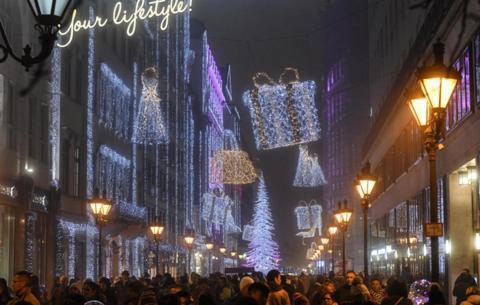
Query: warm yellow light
x=343, y=216
x=324, y=240
x=209, y=245
x=477, y=241
x=463, y=178
x=321, y=247
x=332, y=230
x=233, y=253
x=420, y=109
x=438, y=90
x=222, y=250
x=156, y=229
x=472, y=173
x=189, y=239
x=100, y=207
x=448, y=247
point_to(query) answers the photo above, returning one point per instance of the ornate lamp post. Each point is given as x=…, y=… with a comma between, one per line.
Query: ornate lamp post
x=233, y=255
x=324, y=240
x=100, y=208
x=332, y=231
x=189, y=238
x=364, y=184
x=49, y=15
x=437, y=82
x=209, y=244
x=342, y=216
x=157, y=230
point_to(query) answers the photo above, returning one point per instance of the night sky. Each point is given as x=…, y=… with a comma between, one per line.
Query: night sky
x=268, y=35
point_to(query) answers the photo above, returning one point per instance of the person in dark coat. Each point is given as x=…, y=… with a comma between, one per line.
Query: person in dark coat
x=348, y=293
x=397, y=294
x=108, y=291
x=435, y=296
x=463, y=281
x=5, y=294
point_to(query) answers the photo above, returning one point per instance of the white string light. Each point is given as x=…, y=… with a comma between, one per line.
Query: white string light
x=309, y=173
x=283, y=114
x=149, y=125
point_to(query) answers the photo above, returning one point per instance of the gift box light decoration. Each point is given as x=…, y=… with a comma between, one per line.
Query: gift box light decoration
x=248, y=232
x=217, y=209
x=232, y=165
x=283, y=113
x=309, y=173
x=149, y=125
x=309, y=217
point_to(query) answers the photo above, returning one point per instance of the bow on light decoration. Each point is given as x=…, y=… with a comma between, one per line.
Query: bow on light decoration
x=283, y=113
x=309, y=217
x=149, y=125
x=217, y=209
x=232, y=165
x=309, y=173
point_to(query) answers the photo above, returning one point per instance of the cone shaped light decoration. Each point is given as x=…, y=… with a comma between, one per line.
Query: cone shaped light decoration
x=232, y=165
x=149, y=125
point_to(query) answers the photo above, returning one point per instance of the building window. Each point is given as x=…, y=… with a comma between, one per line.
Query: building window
x=460, y=104
x=76, y=172
x=476, y=46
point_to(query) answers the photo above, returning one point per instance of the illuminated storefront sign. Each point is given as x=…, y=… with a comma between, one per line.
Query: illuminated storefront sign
x=121, y=15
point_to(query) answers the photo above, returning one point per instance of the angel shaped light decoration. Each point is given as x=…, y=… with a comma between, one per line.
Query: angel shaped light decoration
x=309, y=218
x=149, y=127
x=309, y=173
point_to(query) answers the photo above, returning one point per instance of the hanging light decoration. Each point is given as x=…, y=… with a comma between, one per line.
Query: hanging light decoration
x=309, y=217
x=149, y=125
x=232, y=165
x=284, y=113
x=309, y=173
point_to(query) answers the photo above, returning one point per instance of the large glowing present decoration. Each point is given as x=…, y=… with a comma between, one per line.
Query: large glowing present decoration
x=248, y=232
x=149, y=125
x=309, y=217
x=284, y=113
x=217, y=209
x=309, y=173
x=232, y=165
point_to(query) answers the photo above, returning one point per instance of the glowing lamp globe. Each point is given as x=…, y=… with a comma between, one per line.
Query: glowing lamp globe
x=222, y=249
x=366, y=181
x=156, y=229
x=321, y=247
x=100, y=206
x=189, y=238
x=49, y=12
x=438, y=82
x=233, y=253
x=324, y=240
x=332, y=230
x=343, y=215
x=209, y=246
x=420, y=108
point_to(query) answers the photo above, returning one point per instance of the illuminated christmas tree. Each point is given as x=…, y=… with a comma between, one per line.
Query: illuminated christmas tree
x=263, y=252
x=149, y=125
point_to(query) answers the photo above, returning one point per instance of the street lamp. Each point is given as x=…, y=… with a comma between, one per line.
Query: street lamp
x=364, y=184
x=157, y=230
x=222, y=250
x=342, y=216
x=100, y=208
x=49, y=15
x=437, y=83
x=189, y=238
x=332, y=231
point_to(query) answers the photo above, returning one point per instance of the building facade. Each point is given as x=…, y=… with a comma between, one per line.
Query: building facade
x=395, y=148
x=345, y=118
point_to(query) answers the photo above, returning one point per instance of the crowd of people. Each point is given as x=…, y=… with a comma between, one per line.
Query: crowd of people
x=218, y=289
